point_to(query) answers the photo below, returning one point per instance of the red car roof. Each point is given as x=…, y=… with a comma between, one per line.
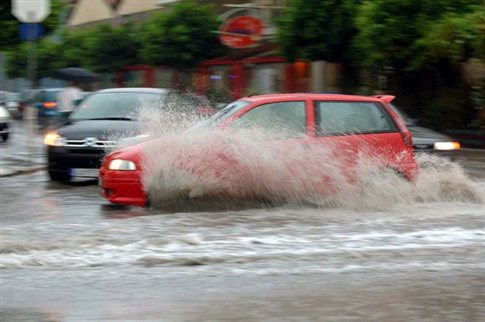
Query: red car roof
x=313, y=96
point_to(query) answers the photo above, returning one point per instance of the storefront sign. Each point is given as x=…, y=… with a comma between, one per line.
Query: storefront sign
x=241, y=32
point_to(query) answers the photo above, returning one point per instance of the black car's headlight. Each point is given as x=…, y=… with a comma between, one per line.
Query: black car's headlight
x=122, y=165
x=54, y=139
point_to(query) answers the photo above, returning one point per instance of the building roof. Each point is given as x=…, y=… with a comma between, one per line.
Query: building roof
x=129, y=7
x=89, y=11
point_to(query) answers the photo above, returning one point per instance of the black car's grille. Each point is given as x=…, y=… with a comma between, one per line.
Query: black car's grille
x=87, y=150
x=90, y=142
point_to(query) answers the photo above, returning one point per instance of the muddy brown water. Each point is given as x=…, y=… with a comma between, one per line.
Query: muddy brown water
x=416, y=256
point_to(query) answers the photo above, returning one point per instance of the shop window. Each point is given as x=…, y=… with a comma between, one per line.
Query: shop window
x=163, y=78
x=265, y=78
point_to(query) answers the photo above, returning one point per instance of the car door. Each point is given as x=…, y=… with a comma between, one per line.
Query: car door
x=354, y=130
x=278, y=131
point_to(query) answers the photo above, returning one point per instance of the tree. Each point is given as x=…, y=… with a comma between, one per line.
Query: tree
x=407, y=34
x=455, y=37
x=17, y=50
x=317, y=29
x=478, y=20
x=74, y=49
x=9, y=25
x=182, y=37
x=48, y=58
x=420, y=45
x=47, y=55
x=69, y=51
x=103, y=49
x=107, y=49
x=16, y=65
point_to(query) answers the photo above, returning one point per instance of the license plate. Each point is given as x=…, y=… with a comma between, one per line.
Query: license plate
x=91, y=173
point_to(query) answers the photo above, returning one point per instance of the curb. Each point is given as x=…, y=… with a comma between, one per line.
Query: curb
x=473, y=150
x=23, y=171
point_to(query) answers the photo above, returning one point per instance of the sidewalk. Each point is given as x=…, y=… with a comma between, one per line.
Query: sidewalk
x=14, y=165
x=18, y=155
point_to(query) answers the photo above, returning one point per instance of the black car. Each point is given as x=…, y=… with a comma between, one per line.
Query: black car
x=96, y=126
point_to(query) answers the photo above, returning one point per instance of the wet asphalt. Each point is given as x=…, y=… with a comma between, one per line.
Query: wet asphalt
x=67, y=255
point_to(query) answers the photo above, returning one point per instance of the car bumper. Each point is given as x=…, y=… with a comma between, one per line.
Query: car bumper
x=122, y=187
x=63, y=157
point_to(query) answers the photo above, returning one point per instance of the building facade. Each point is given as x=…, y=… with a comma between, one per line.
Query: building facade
x=249, y=68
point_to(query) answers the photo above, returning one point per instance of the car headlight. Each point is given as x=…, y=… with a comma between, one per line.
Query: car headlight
x=54, y=139
x=447, y=146
x=4, y=114
x=122, y=165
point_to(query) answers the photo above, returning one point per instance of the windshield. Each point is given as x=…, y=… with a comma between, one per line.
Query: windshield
x=114, y=105
x=220, y=116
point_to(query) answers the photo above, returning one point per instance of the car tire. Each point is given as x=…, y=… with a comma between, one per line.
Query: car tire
x=59, y=175
x=5, y=137
x=148, y=202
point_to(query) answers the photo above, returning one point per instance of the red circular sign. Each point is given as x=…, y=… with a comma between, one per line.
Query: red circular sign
x=241, y=32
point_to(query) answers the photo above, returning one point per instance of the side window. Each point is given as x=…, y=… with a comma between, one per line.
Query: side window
x=283, y=119
x=337, y=118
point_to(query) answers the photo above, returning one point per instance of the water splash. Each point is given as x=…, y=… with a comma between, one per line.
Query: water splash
x=219, y=165
x=174, y=115
x=441, y=179
x=236, y=166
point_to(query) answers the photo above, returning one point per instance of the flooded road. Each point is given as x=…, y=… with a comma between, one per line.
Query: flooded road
x=68, y=256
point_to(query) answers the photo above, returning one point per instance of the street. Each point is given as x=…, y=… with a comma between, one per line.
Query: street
x=67, y=255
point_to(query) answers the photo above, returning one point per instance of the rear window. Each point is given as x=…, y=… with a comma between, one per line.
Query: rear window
x=115, y=105
x=339, y=118
x=46, y=96
x=51, y=95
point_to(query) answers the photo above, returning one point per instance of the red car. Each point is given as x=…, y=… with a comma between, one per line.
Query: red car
x=345, y=126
